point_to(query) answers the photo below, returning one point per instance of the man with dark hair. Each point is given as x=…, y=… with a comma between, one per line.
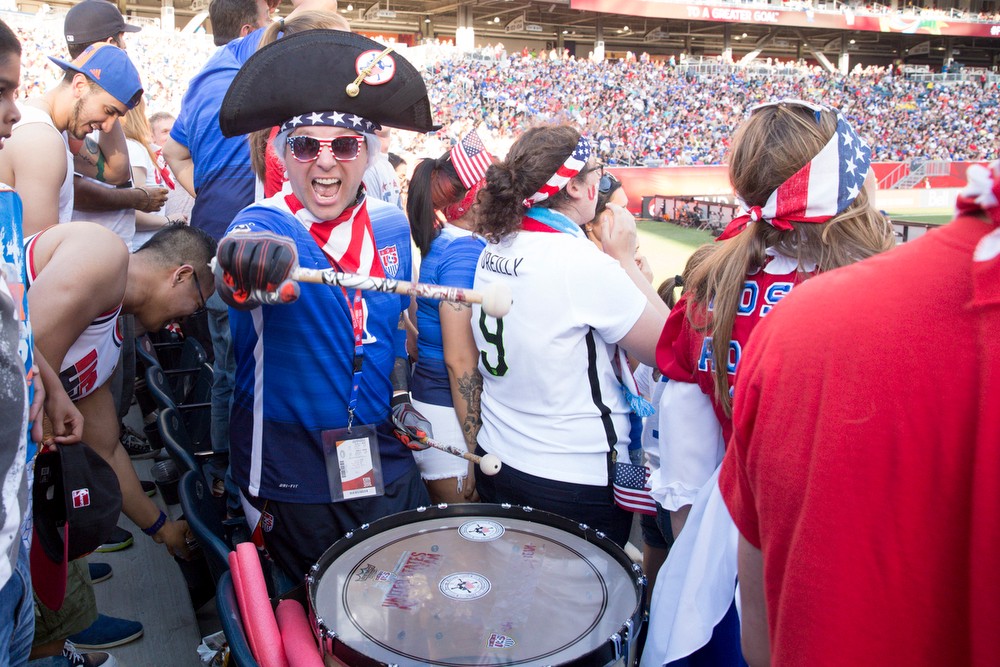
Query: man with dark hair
x=99, y=86
x=109, y=204
x=237, y=18
x=81, y=277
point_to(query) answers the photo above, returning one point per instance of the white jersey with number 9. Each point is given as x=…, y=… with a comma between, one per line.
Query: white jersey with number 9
x=551, y=405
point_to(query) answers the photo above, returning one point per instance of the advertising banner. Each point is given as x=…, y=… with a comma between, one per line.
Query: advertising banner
x=895, y=23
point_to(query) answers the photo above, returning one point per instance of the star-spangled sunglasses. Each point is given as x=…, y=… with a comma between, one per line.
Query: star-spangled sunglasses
x=344, y=149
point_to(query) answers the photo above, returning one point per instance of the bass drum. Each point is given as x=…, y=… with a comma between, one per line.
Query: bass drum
x=477, y=584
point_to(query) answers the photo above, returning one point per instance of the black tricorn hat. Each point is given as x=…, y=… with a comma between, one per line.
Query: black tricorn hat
x=317, y=70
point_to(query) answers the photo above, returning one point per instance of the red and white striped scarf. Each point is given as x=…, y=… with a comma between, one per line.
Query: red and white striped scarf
x=347, y=240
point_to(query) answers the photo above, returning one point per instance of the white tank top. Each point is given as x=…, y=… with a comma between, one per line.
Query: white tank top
x=92, y=357
x=30, y=114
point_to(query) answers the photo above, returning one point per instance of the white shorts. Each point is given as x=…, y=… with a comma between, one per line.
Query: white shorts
x=433, y=463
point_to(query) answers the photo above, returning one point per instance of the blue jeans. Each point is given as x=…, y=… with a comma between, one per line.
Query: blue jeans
x=224, y=368
x=17, y=614
x=222, y=386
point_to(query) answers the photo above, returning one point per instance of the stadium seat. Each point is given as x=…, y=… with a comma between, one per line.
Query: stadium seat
x=195, y=408
x=203, y=512
x=232, y=623
x=189, y=454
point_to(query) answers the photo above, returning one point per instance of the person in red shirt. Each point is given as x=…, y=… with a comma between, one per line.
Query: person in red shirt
x=864, y=469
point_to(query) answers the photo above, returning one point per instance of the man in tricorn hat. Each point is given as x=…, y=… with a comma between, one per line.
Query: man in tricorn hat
x=316, y=379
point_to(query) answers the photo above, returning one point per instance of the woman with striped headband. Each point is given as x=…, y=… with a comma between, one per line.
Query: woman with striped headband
x=802, y=178
x=552, y=407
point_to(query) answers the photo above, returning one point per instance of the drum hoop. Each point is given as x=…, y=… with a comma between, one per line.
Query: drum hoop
x=607, y=652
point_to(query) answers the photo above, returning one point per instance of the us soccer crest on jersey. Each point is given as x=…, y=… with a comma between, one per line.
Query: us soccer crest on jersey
x=390, y=260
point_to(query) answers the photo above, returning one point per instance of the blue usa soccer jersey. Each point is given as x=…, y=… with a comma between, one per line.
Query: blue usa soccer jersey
x=451, y=261
x=294, y=366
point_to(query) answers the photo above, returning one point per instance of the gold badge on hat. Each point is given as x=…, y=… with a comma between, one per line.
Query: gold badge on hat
x=374, y=69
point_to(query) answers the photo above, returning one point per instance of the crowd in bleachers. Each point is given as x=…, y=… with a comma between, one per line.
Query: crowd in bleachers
x=652, y=113
x=167, y=60
x=641, y=112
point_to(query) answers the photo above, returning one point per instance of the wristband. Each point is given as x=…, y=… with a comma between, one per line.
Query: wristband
x=155, y=528
x=145, y=192
x=399, y=399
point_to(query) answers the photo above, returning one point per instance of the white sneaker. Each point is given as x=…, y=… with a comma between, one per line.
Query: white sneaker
x=93, y=659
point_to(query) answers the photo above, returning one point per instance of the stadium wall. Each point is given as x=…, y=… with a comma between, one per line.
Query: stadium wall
x=713, y=181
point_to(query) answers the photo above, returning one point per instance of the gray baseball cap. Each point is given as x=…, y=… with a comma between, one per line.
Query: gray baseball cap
x=94, y=20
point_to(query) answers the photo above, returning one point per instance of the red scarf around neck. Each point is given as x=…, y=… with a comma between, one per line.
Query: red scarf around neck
x=350, y=247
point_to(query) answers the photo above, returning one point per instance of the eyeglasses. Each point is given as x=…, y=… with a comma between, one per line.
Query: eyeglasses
x=201, y=297
x=599, y=167
x=344, y=149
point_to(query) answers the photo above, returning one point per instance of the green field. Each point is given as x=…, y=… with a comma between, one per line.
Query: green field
x=668, y=246
x=929, y=218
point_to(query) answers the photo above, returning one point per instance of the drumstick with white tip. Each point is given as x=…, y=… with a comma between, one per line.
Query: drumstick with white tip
x=489, y=464
x=495, y=299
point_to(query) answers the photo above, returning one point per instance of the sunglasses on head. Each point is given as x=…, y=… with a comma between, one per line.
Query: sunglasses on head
x=344, y=149
x=608, y=184
x=605, y=188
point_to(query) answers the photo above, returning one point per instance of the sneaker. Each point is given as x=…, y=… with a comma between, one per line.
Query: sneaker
x=148, y=487
x=76, y=659
x=107, y=631
x=99, y=572
x=136, y=444
x=120, y=539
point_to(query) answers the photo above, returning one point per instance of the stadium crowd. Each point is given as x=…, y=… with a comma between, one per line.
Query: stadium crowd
x=640, y=111
x=647, y=112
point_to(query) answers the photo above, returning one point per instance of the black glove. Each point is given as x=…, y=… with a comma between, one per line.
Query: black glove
x=411, y=426
x=257, y=263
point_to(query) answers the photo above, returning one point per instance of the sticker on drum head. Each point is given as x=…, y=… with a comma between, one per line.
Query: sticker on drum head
x=496, y=640
x=481, y=530
x=464, y=586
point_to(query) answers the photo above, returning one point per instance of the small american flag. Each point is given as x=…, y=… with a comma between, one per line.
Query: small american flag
x=631, y=489
x=471, y=159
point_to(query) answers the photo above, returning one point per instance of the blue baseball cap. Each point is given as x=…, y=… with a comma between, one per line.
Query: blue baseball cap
x=110, y=68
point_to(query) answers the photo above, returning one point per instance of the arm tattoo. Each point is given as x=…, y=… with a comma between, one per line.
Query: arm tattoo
x=457, y=307
x=470, y=387
x=90, y=151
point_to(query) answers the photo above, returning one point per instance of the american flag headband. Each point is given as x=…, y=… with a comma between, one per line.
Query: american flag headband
x=820, y=190
x=573, y=165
